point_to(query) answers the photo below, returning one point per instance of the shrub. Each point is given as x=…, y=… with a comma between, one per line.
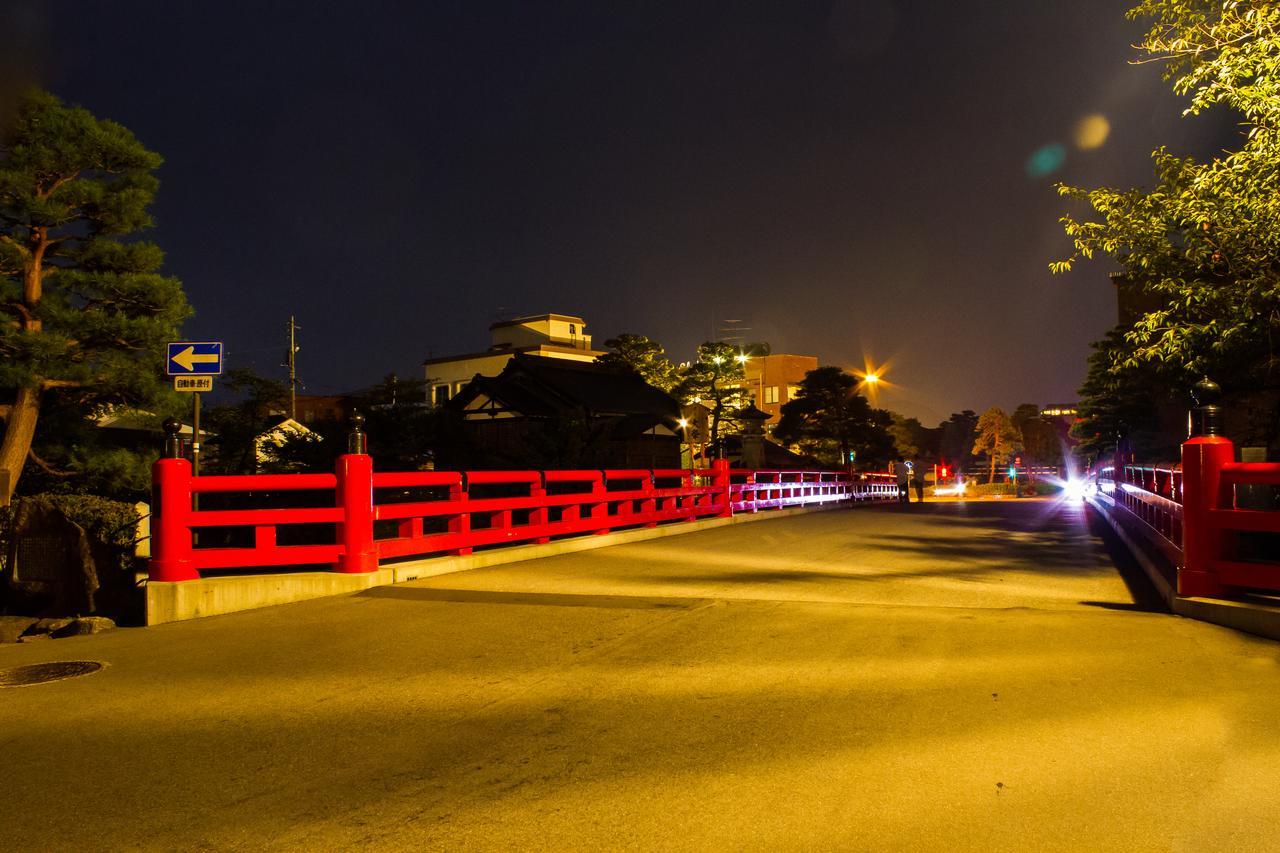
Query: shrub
x=108, y=521
x=980, y=490
x=111, y=527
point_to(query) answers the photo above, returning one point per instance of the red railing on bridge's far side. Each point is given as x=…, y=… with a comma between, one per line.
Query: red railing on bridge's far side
x=1152, y=496
x=382, y=516
x=1191, y=513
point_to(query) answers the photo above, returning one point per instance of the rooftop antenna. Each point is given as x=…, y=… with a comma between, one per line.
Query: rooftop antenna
x=733, y=332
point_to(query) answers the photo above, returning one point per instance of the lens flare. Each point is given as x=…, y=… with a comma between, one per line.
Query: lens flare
x=1092, y=131
x=871, y=379
x=1046, y=161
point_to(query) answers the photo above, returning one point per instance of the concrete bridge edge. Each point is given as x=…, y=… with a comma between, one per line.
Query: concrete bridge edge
x=1247, y=616
x=213, y=596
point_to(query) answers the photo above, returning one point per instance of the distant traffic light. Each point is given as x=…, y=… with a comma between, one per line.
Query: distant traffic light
x=942, y=471
x=1013, y=472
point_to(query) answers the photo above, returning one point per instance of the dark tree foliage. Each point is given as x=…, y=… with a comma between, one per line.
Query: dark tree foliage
x=644, y=357
x=956, y=442
x=84, y=310
x=830, y=421
x=402, y=434
x=913, y=439
x=234, y=426
x=1126, y=403
x=1041, y=445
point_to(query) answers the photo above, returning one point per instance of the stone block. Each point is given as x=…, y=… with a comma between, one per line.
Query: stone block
x=13, y=627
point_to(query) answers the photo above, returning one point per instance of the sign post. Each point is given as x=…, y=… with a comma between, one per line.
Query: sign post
x=193, y=364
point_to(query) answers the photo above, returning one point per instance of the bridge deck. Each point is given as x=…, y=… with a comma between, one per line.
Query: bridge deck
x=966, y=676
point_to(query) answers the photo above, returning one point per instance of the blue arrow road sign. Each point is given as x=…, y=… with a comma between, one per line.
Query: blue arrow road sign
x=187, y=358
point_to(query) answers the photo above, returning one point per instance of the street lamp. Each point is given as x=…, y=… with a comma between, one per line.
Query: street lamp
x=684, y=425
x=872, y=379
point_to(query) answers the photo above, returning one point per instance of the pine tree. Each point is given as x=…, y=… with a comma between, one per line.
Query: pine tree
x=997, y=437
x=717, y=380
x=84, y=311
x=827, y=414
x=643, y=356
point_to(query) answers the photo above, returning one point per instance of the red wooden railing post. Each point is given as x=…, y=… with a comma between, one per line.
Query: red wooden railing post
x=355, y=496
x=684, y=501
x=648, y=505
x=460, y=524
x=171, y=522
x=720, y=484
x=600, y=504
x=1203, y=455
x=540, y=516
x=1202, y=459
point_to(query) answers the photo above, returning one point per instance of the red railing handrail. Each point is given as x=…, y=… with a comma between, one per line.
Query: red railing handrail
x=1252, y=473
x=262, y=483
x=359, y=502
x=1188, y=508
x=415, y=479
x=488, y=478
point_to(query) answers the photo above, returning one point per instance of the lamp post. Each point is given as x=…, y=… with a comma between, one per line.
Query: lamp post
x=684, y=425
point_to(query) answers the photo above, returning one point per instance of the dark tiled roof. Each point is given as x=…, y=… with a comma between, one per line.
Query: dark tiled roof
x=544, y=387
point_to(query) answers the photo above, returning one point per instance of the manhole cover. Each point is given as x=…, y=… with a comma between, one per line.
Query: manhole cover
x=39, y=673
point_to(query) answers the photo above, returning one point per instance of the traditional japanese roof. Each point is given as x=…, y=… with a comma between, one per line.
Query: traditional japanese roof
x=531, y=386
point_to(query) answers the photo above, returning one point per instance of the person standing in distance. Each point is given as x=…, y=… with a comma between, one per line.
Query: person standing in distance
x=903, y=476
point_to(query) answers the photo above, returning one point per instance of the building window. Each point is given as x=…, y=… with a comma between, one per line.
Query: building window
x=440, y=394
x=771, y=394
x=793, y=391
x=457, y=388
x=573, y=330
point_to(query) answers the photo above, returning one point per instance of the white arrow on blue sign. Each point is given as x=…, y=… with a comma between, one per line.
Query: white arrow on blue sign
x=187, y=358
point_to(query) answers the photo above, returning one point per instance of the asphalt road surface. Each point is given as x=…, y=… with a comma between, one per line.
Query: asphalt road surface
x=970, y=676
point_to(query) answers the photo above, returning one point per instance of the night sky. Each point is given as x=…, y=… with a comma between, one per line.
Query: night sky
x=848, y=178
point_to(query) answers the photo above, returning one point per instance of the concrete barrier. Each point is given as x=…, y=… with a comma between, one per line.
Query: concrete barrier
x=210, y=596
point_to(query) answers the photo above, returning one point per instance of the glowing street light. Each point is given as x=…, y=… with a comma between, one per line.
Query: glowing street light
x=741, y=358
x=871, y=379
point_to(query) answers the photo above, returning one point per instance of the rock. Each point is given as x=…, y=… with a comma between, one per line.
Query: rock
x=50, y=626
x=51, y=559
x=12, y=627
x=34, y=638
x=86, y=625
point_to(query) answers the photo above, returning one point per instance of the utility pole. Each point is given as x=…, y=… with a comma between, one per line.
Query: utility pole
x=291, y=362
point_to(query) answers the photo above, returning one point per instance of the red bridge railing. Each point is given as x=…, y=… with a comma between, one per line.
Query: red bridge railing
x=367, y=517
x=1191, y=513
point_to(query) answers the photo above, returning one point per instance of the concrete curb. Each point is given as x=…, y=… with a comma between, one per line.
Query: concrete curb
x=1251, y=617
x=1248, y=616
x=179, y=601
